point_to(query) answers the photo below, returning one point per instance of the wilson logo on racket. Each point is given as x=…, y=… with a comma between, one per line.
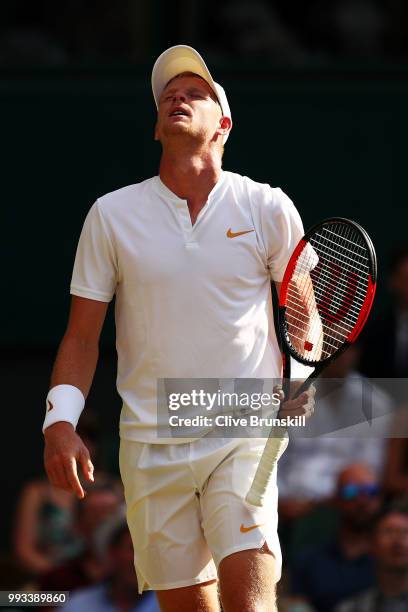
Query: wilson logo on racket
x=231, y=234
x=339, y=290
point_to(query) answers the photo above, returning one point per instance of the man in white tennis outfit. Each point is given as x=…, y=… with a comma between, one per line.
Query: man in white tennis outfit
x=189, y=255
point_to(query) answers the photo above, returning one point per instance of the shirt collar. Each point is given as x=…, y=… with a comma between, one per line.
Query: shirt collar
x=169, y=195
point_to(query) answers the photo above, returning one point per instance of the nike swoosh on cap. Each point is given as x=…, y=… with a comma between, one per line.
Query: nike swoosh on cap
x=231, y=234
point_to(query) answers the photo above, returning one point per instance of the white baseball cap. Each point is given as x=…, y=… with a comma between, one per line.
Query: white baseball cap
x=182, y=58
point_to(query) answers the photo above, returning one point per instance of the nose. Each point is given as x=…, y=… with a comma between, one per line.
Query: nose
x=179, y=96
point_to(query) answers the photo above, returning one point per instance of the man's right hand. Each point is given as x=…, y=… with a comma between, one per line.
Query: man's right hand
x=63, y=451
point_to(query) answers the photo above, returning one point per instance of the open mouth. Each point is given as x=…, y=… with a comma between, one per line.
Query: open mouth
x=179, y=112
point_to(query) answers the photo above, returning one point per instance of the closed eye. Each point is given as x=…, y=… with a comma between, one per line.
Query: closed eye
x=197, y=94
x=193, y=94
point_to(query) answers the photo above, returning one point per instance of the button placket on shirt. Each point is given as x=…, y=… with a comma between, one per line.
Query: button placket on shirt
x=183, y=214
x=186, y=225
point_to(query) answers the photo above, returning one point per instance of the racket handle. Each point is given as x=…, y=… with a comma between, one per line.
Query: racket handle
x=274, y=447
x=306, y=383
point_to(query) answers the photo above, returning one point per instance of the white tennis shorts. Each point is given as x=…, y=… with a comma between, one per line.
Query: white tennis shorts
x=186, y=508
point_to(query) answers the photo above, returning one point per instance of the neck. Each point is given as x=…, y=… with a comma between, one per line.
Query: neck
x=191, y=175
x=393, y=582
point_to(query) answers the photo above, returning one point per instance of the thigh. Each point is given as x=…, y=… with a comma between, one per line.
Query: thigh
x=230, y=524
x=164, y=518
x=197, y=598
x=247, y=581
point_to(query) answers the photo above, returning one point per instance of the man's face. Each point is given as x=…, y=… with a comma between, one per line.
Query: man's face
x=358, y=496
x=188, y=106
x=390, y=545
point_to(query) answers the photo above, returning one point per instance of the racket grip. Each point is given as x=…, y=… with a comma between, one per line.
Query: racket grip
x=305, y=384
x=274, y=447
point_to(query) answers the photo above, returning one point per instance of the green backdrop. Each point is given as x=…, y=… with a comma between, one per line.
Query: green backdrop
x=335, y=142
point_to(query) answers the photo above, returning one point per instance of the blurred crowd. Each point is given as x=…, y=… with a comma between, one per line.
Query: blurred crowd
x=295, y=32
x=343, y=490
x=83, y=547
x=278, y=31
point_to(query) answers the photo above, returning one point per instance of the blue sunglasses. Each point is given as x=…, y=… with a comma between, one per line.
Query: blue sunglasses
x=351, y=491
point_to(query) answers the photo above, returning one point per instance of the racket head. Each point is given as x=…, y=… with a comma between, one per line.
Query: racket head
x=331, y=277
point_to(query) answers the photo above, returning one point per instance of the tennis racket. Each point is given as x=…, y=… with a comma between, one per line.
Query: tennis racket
x=325, y=299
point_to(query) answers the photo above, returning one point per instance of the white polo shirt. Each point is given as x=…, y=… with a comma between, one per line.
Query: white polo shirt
x=192, y=301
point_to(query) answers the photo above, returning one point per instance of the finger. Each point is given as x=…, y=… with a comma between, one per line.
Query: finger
x=312, y=390
x=301, y=411
x=309, y=392
x=296, y=403
x=298, y=408
x=72, y=477
x=278, y=391
x=87, y=466
x=309, y=412
x=303, y=398
x=58, y=478
x=292, y=413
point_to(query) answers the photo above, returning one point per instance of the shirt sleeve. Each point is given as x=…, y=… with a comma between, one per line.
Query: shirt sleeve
x=95, y=273
x=282, y=229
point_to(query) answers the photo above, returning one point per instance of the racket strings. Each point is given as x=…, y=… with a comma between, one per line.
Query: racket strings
x=327, y=290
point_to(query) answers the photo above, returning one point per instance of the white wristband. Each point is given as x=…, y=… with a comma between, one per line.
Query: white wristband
x=63, y=403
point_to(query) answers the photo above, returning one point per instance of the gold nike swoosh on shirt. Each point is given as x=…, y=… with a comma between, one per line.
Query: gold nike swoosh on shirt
x=231, y=234
x=246, y=529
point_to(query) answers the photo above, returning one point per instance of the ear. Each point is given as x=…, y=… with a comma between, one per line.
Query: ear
x=225, y=126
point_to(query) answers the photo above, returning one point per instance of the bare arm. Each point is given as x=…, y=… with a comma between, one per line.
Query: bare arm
x=78, y=352
x=75, y=365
